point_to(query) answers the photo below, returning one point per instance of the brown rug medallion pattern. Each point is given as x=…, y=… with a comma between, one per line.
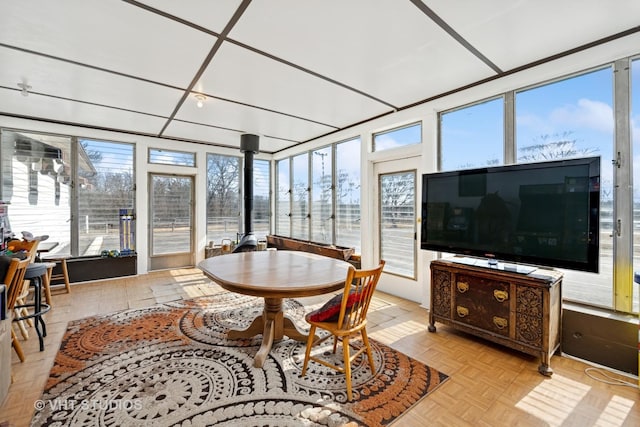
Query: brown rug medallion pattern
x=171, y=364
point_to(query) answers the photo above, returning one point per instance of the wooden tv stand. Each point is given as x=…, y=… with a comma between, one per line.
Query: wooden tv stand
x=520, y=311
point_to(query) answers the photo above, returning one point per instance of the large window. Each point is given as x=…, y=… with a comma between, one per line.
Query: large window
x=300, y=200
x=574, y=118
x=283, y=184
x=261, y=198
x=347, y=191
x=36, y=182
x=223, y=197
x=331, y=214
x=472, y=136
x=568, y=118
x=322, y=202
x=106, y=185
x=224, y=202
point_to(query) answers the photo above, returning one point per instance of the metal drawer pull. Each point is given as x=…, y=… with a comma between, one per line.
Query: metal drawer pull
x=462, y=311
x=462, y=287
x=500, y=296
x=500, y=322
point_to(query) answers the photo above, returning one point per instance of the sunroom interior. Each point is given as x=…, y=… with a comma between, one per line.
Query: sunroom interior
x=121, y=126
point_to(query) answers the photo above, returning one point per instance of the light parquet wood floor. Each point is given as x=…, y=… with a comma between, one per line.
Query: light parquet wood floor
x=490, y=385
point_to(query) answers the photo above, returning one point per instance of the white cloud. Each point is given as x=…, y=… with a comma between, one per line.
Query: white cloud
x=586, y=114
x=386, y=142
x=536, y=123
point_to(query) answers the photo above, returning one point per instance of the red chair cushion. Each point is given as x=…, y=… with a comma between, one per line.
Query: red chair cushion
x=330, y=311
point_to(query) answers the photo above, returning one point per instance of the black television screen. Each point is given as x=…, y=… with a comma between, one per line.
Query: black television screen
x=543, y=214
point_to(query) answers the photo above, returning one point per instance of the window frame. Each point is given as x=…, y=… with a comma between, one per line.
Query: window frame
x=189, y=155
x=375, y=135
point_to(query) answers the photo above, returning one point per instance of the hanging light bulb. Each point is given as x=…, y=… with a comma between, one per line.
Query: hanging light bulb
x=201, y=99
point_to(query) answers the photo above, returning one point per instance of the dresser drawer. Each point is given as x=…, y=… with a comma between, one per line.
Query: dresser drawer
x=482, y=302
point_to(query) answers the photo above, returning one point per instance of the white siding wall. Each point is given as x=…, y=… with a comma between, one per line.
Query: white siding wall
x=47, y=216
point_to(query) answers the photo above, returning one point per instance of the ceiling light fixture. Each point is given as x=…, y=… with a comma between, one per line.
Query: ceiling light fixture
x=201, y=99
x=24, y=88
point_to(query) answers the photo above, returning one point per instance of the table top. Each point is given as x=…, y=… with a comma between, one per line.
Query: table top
x=276, y=274
x=46, y=246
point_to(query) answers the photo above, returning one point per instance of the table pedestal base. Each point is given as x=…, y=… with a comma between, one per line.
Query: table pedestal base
x=273, y=325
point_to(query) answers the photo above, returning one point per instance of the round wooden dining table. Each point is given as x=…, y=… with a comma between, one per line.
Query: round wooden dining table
x=274, y=275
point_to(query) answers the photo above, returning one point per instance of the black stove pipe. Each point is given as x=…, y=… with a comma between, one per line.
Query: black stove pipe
x=249, y=145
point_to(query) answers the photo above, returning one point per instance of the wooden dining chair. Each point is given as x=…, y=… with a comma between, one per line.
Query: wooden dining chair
x=345, y=316
x=14, y=280
x=29, y=249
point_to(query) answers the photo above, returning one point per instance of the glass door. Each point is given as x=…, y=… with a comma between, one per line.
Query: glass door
x=171, y=221
x=396, y=243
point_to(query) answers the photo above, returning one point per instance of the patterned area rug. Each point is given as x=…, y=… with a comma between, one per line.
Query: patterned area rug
x=171, y=364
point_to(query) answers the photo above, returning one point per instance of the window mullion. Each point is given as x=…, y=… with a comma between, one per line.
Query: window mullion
x=623, y=210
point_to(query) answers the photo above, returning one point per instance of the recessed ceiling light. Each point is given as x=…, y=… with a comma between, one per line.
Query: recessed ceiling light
x=201, y=99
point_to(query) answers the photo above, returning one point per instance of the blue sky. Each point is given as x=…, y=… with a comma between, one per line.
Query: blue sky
x=579, y=107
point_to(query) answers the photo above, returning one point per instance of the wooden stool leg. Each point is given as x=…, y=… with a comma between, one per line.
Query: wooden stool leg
x=16, y=346
x=65, y=272
x=46, y=282
x=64, y=275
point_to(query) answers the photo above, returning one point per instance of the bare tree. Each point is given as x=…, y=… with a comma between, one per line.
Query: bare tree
x=222, y=185
x=347, y=186
x=397, y=194
x=552, y=147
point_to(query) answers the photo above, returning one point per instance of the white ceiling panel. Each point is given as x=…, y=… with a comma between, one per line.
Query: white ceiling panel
x=108, y=34
x=54, y=109
x=212, y=15
x=242, y=75
x=63, y=79
x=290, y=71
x=516, y=33
x=387, y=48
x=245, y=119
x=195, y=132
x=207, y=134
x=271, y=145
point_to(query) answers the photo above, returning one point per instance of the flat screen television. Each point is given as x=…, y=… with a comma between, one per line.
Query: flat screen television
x=540, y=214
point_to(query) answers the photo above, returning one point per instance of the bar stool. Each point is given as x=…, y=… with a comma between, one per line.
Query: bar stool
x=63, y=275
x=36, y=273
x=46, y=282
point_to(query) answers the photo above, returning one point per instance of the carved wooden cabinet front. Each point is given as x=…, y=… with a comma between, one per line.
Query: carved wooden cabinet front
x=441, y=298
x=529, y=315
x=521, y=311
